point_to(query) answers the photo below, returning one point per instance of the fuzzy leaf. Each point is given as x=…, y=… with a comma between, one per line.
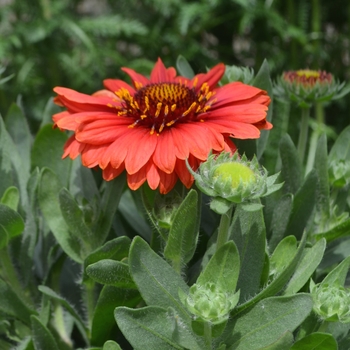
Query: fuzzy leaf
x=338, y=275
x=11, y=198
x=223, y=268
x=157, y=282
x=111, y=272
x=184, y=67
x=316, y=341
x=103, y=325
x=49, y=189
x=291, y=165
x=183, y=234
x=267, y=321
x=111, y=345
x=11, y=223
x=42, y=337
x=306, y=268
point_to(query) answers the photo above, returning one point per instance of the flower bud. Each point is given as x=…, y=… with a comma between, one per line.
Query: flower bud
x=331, y=302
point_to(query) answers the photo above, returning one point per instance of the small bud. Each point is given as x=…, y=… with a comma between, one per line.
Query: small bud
x=331, y=302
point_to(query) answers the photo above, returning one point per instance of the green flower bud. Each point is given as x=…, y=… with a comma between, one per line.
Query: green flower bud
x=331, y=302
x=230, y=179
x=308, y=86
x=209, y=303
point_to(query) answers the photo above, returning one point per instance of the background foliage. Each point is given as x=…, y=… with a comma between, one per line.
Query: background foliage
x=45, y=43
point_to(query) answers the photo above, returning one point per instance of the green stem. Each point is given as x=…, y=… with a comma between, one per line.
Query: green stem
x=323, y=327
x=304, y=129
x=90, y=301
x=224, y=226
x=207, y=335
x=319, y=116
x=10, y=276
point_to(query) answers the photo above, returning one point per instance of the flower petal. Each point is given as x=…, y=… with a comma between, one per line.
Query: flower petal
x=110, y=173
x=72, y=148
x=211, y=78
x=164, y=155
x=160, y=74
x=140, y=150
x=166, y=182
x=116, y=84
x=138, y=80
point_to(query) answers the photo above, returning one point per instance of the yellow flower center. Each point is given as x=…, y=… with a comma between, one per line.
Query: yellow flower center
x=237, y=172
x=308, y=73
x=157, y=106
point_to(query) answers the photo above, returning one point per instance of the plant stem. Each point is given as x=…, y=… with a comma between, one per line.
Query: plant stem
x=225, y=222
x=319, y=116
x=207, y=335
x=323, y=327
x=304, y=129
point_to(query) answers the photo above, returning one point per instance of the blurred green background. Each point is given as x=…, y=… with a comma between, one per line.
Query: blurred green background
x=77, y=44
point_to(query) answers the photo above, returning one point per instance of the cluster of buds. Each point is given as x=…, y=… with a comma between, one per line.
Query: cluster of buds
x=232, y=179
x=308, y=86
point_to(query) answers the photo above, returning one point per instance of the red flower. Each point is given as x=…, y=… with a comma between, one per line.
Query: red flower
x=151, y=128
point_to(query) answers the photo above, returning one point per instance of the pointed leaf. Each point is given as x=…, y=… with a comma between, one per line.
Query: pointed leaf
x=306, y=268
x=11, y=221
x=341, y=147
x=303, y=206
x=267, y=321
x=49, y=189
x=111, y=272
x=157, y=282
x=338, y=275
x=111, y=345
x=316, y=341
x=103, y=325
x=183, y=235
x=42, y=337
x=184, y=67
x=11, y=198
x=223, y=268
x=291, y=165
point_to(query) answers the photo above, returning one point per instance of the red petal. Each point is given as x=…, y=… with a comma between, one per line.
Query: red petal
x=164, y=154
x=211, y=78
x=167, y=182
x=183, y=173
x=72, y=148
x=153, y=177
x=160, y=74
x=92, y=154
x=115, y=85
x=138, y=79
x=235, y=129
x=140, y=150
x=110, y=173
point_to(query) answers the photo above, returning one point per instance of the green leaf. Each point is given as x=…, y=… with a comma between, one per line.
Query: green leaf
x=292, y=172
x=279, y=282
x=339, y=231
x=263, y=81
x=78, y=320
x=321, y=166
x=341, y=147
x=306, y=268
x=184, y=67
x=12, y=305
x=153, y=328
x=316, y=341
x=111, y=345
x=338, y=275
x=115, y=249
x=18, y=128
x=112, y=191
x=103, y=325
x=47, y=152
x=11, y=198
x=111, y=272
x=223, y=268
x=280, y=218
x=42, y=337
x=49, y=189
x=11, y=221
x=249, y=234
x=267, y=321
x=283, y=255
x=183, y=234
x=285, y=342
x=303, y=206
x=157, y=282
x=74, y=217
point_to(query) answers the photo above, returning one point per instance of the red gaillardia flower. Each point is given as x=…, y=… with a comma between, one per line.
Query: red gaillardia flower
x=150, y=128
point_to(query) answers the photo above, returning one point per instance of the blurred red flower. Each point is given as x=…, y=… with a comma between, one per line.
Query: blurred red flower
x=150, y=128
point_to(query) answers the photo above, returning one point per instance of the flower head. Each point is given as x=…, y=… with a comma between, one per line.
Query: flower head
x=307, y=86
x=231, y=179
x=150, y=128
